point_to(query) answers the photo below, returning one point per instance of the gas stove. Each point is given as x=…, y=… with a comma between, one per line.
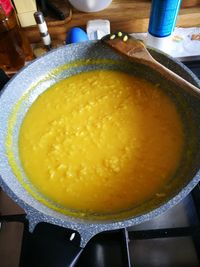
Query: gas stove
x=170, y=240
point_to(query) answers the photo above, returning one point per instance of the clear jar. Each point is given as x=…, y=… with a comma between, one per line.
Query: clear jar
x=15, y=49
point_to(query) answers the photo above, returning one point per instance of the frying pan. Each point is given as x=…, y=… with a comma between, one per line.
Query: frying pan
x=23, y=89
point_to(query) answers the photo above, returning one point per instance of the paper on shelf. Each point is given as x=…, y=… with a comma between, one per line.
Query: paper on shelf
x=182, y=42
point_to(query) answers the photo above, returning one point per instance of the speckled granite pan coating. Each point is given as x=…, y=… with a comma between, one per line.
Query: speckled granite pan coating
x=37, y=71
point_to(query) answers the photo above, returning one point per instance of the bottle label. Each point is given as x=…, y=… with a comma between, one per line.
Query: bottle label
x=6, y=6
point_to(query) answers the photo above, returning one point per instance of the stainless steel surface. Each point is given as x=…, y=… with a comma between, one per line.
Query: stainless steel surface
x=10, y=244
x=11, y=233
x=181, y=215
x=166, y=252
x=171, y=252
x=10, y=241
x=8, y=206
x=189, y=58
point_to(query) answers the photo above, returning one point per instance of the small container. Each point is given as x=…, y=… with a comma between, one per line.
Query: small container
x=163, y=18
x=90, y=5
x=42, y=26
x=76, y=35
x=14, y=46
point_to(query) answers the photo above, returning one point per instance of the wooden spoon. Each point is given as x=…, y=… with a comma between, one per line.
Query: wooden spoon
x=135, y=50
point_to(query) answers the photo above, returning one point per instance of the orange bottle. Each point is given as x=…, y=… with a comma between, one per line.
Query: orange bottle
x=14, y=46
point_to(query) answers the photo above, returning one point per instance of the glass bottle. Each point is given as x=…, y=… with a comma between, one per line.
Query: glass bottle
x=15, y=49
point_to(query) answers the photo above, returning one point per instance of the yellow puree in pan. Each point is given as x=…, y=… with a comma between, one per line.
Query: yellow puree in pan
x=101, y=141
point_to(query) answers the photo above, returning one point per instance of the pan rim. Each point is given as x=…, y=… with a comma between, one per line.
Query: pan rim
x=79, y=224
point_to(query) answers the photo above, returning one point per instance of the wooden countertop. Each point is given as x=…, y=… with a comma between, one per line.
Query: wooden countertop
x=125, y=15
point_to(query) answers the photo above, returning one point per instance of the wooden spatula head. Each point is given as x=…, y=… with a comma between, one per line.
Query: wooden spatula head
x=127, y=45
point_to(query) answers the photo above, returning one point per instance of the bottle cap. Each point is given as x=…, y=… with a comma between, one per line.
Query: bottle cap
x=39, y=18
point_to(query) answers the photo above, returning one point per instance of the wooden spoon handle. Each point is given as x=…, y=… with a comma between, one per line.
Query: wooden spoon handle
x=175, y=78
x=136, y=51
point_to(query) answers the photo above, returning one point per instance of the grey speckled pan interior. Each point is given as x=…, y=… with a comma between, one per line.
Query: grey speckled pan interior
x=24, y=88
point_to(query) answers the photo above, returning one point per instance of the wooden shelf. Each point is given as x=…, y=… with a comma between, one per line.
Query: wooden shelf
x=125, y=15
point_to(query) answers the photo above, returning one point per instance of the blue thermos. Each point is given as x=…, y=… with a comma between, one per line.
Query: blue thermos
x=162, y=21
